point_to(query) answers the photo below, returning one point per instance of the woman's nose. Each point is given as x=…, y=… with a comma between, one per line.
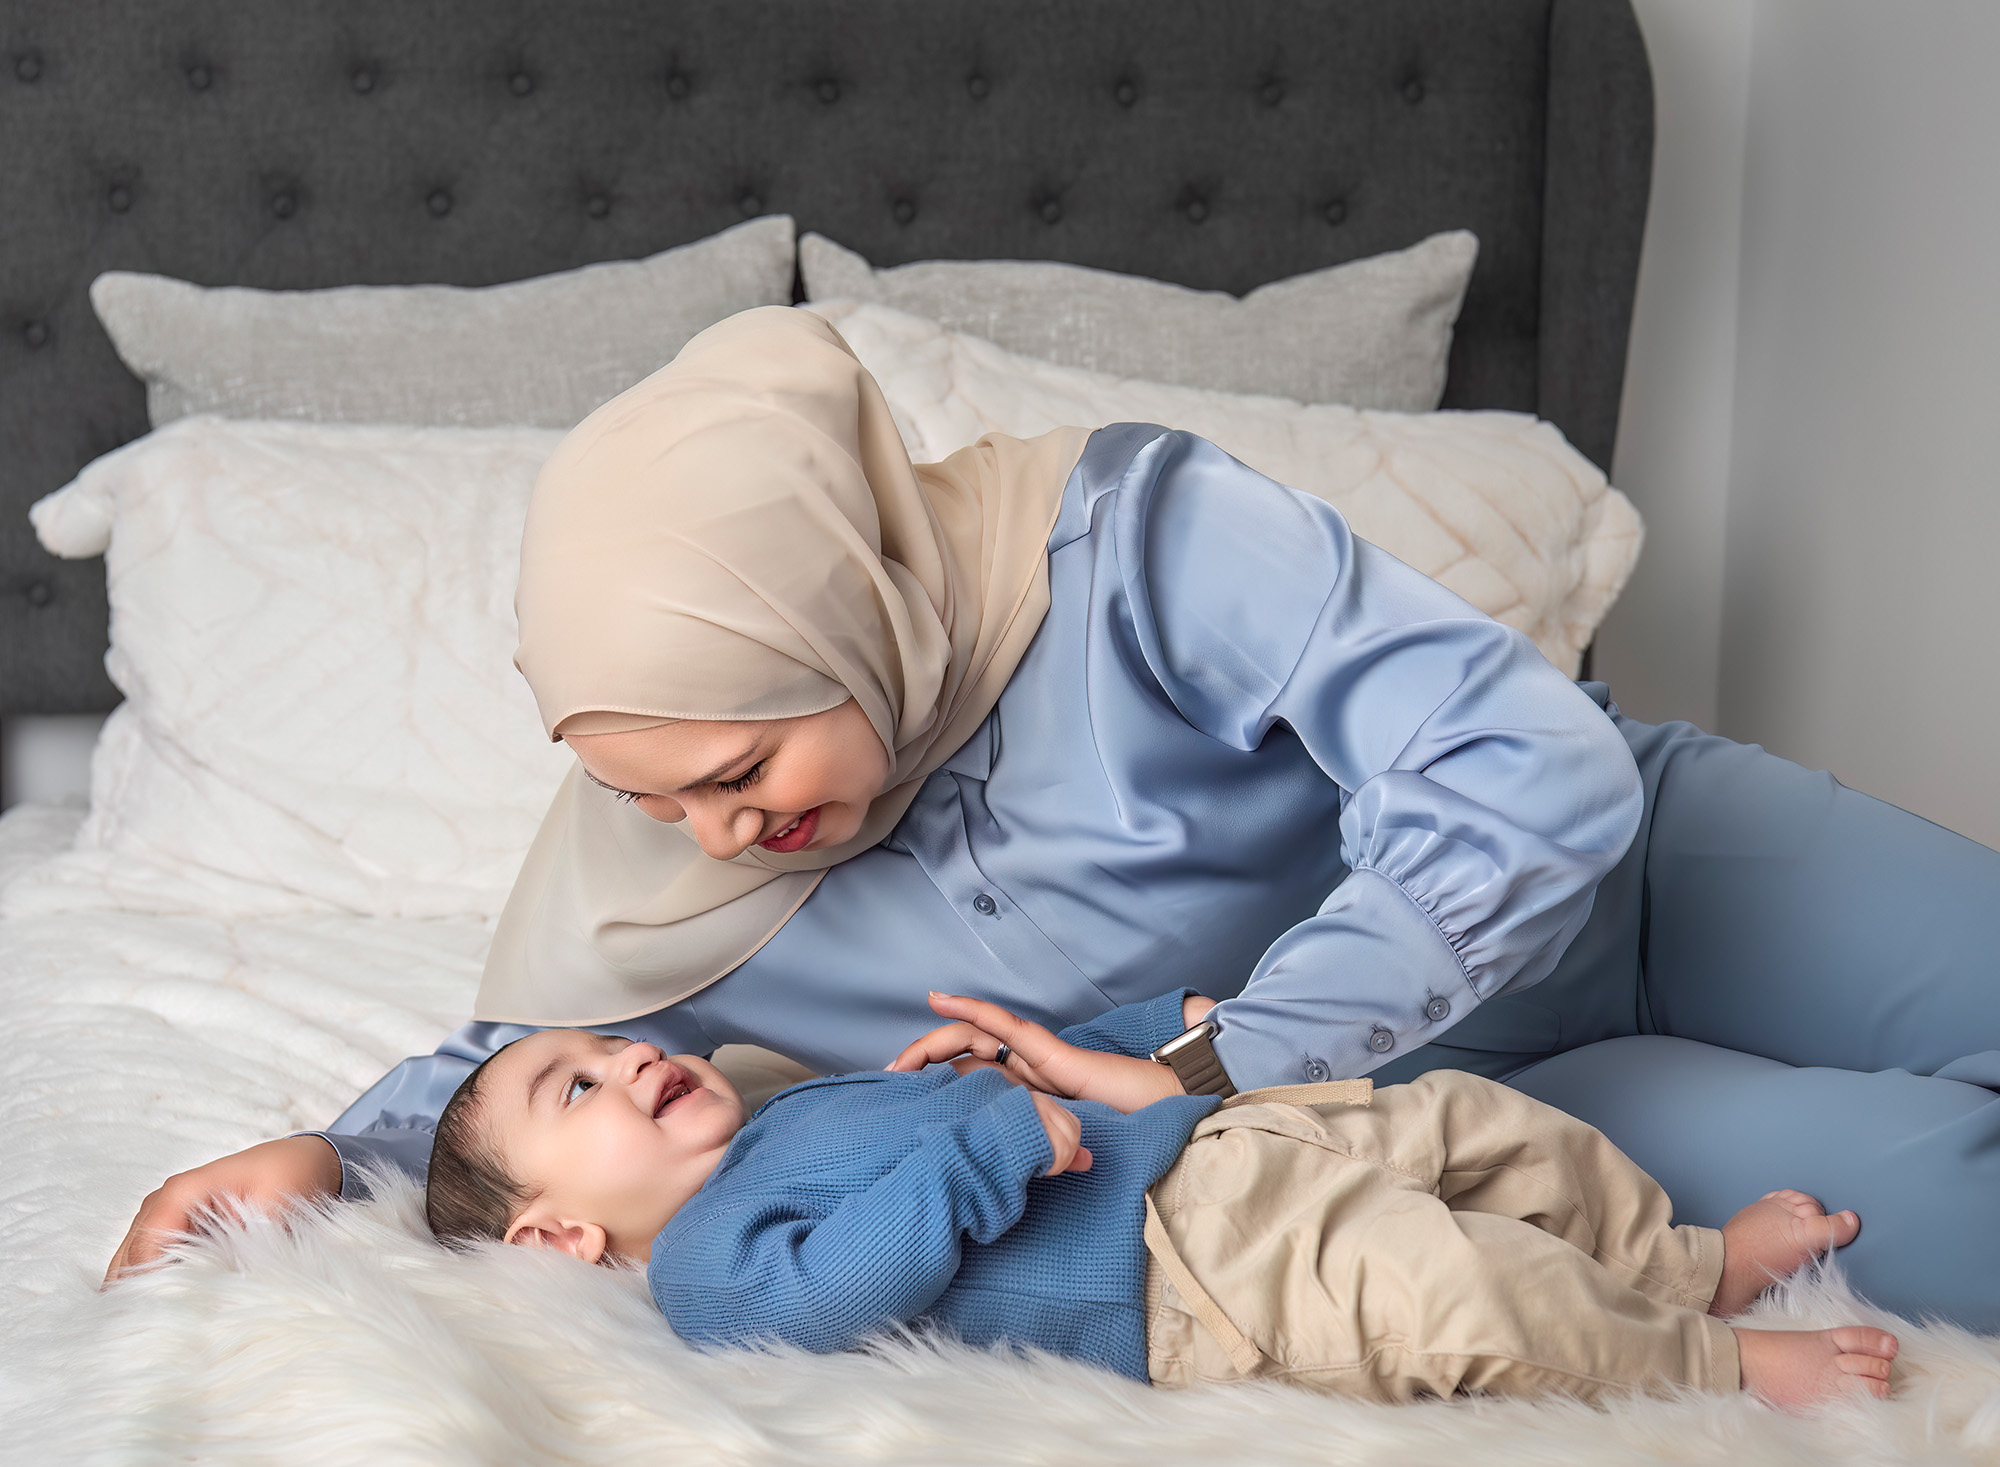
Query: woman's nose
x=723, y=832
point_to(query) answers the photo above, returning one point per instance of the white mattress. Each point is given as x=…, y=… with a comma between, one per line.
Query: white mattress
x=135, y=1045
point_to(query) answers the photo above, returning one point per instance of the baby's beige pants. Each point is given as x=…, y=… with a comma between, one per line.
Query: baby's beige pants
x=1451, y=1235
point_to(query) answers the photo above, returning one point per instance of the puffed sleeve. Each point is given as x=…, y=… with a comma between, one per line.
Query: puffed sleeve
x=1483, y=794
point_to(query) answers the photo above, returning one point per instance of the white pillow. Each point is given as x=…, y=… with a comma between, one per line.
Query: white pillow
x=1370, y=333
x=313, y=627
x=1496, y=506
x=541, y=352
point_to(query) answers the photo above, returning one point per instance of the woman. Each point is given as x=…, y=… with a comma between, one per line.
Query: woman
x=1081, y=720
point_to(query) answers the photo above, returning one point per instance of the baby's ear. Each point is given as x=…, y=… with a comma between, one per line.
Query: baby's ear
x=580, y=1240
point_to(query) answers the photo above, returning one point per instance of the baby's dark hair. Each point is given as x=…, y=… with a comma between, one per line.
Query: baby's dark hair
x=471, y=1196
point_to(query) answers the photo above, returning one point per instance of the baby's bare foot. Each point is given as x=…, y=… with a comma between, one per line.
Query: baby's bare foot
x=1791, y=1368
x=1772, y=1239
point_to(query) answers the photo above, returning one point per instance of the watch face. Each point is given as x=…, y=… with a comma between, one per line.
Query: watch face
x=1180, y=1042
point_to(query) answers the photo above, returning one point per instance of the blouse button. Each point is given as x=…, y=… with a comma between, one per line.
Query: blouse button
x=1381, y=1041
x=1318, y=1071
x=1437, y=1010
x=984, y=905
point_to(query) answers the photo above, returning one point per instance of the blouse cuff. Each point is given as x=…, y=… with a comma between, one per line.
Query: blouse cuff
x=1368, y=979
x=362, y=1158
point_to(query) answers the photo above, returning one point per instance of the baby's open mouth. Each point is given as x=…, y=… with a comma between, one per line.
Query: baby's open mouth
x=673, y=1092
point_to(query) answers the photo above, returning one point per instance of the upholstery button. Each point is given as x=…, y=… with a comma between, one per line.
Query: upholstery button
x=438, y=202
x=827, y=90
x=1381, y=1041
x=520, y=84
x=904, y=211
x=199, y=77
x=1413, y=91
x=27, y=67
x=39, y=593
x=284, y=204
x=1196, y=210
x=1051, y=211
x=677, y=85
x=751, y=205
x=1438, y=1010
x=1272, y=92
x=119, y=199
x=1318, y=1071
x=363, y=80
x=597, y=206
x=1336, y=212
x=984, y=905
x=1125, y=93
x=979, y=86
x=36, y=334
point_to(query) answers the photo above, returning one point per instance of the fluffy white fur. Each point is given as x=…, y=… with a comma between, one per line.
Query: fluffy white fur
x=137, y=1045
x=352, y=1338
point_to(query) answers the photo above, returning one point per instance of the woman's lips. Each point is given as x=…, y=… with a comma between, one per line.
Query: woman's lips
x=798, y=837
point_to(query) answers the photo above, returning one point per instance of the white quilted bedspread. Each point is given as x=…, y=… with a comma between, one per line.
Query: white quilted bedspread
x=137, y=1044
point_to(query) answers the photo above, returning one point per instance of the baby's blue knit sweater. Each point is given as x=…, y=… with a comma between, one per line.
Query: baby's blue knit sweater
x=853, y=1203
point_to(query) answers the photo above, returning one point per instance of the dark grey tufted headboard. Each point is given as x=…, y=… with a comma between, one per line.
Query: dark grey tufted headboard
x=1219, y=143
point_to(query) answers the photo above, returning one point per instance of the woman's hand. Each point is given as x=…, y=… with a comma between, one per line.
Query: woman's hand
x=268, y=1177
x=1037, y=1057
x=1065, y=1137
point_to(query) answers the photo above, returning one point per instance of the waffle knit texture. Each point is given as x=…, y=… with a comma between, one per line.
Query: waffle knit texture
x=855, y=1203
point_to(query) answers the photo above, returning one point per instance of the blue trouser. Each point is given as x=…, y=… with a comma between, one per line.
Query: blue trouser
x=1785, y=983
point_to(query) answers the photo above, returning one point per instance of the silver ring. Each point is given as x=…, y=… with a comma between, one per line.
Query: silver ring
x=1000, y=1055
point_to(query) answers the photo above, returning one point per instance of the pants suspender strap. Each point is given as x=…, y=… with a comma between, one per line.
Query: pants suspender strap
x=1245, y=1356
x=1326, y=1092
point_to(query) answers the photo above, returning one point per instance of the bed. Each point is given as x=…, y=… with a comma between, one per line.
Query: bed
x=163, y=1010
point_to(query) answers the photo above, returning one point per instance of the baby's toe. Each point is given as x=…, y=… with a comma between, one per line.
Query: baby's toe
x=1872, y=1366
x=1800, y=1204
x=1844, y=1227
x=1859, y=1341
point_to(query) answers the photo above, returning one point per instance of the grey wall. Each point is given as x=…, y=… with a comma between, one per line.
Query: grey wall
x=1807, y=418
x=1859, y=616
x=1660, y=648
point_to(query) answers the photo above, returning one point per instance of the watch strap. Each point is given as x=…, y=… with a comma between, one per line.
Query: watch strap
x=1193, y=1059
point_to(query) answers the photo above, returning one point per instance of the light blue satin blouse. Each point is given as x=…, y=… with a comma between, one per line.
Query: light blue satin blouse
x=1247, y=753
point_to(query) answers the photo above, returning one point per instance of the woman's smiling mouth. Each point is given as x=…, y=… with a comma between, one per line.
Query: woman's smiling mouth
x=796, y=836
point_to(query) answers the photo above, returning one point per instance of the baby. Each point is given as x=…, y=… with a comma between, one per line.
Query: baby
x=1444, y=1235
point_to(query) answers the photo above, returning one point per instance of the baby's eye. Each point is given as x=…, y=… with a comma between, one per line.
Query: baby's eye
x=577, y=1085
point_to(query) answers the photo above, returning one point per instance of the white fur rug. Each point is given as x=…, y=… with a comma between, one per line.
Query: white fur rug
x=353, y=1339
x=135, y=1045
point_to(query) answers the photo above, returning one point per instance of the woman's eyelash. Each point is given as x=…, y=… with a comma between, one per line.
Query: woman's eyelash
x=624, y=797
x=744, y=780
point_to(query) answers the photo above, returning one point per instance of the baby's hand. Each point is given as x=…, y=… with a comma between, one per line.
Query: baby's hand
x=1065, y=1137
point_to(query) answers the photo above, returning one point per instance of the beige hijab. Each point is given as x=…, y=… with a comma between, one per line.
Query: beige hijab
x=743, y=536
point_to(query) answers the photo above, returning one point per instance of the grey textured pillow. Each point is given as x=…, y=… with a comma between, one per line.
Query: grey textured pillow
x=536, y=353
x=1373, y=333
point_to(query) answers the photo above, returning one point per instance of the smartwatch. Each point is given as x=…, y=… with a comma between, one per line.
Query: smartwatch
x=1191, y=1056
